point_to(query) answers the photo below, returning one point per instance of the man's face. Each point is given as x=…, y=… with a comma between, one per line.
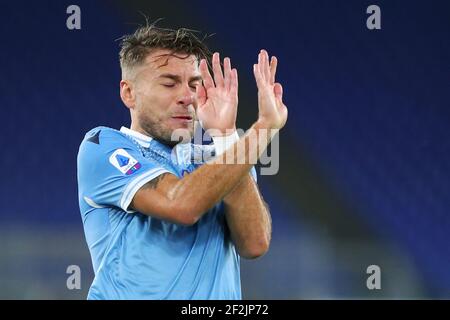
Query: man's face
x=165, y=94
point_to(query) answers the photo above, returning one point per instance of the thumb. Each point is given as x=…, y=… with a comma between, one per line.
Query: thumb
x=278, y=91
x=201, y=95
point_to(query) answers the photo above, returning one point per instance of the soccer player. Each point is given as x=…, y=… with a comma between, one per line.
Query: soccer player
x=159, y=226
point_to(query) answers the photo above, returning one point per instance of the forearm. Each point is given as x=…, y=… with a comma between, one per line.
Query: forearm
x=210, y=183
x=248, y=219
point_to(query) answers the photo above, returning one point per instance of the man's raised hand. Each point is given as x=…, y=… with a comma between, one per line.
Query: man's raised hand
x=272, y=111
x=217, y=98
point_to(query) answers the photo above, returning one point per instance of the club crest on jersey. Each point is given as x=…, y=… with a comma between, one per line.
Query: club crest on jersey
x=123, y=161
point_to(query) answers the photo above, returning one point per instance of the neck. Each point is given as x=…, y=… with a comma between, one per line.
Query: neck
x=135, y=127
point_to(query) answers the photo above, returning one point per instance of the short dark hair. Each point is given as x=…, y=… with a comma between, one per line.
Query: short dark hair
x=135, y=47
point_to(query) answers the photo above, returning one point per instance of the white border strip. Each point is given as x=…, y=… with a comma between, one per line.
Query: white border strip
x=142, y=139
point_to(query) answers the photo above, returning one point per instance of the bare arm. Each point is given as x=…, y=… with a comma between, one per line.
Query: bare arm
x=185, y=200
x=247, y=214
x=248, y=218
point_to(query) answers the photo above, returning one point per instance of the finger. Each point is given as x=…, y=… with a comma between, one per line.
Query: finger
x=266, y=68
x=257, y=74
x=234, y=82
x=261, y=64
x=218, y=76
x=206, y=76
x=227, y=73
x=278, y=91
x=273, y=69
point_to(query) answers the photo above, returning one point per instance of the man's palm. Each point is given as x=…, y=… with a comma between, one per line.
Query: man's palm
x=217, y=99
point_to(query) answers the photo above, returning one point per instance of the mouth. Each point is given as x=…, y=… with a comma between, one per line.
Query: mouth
x=182, y=118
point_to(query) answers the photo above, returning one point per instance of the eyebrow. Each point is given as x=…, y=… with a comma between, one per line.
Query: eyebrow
x=177, y=78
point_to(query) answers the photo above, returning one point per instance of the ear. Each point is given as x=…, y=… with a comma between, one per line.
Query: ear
x=127, y=93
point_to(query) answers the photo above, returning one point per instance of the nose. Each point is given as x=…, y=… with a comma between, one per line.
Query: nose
x=187, y=96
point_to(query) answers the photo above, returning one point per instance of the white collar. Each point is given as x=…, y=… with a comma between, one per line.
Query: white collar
x=140, y=138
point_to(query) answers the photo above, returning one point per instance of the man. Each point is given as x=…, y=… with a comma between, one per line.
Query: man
x=157, y=226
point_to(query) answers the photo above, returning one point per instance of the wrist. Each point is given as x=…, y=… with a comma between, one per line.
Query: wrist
x=261, y=124
x=220, y=132
x=264, y=129
x=223, y=142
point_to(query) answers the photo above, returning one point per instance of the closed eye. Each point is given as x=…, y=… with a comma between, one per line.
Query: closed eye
x=169, y=85
x=194, y=85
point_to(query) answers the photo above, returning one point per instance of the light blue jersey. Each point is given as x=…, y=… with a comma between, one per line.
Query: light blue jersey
x=140, y=257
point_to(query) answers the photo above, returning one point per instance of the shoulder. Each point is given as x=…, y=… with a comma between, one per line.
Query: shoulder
x=103, y=136
x=103, y=141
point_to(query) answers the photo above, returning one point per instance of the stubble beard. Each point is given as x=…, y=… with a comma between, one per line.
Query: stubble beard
x=159, y=132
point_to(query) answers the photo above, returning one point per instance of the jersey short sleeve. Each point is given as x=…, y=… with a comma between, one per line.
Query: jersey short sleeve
x=112, y=168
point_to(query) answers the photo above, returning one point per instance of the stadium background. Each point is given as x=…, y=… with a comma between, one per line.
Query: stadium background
x=364, y=159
